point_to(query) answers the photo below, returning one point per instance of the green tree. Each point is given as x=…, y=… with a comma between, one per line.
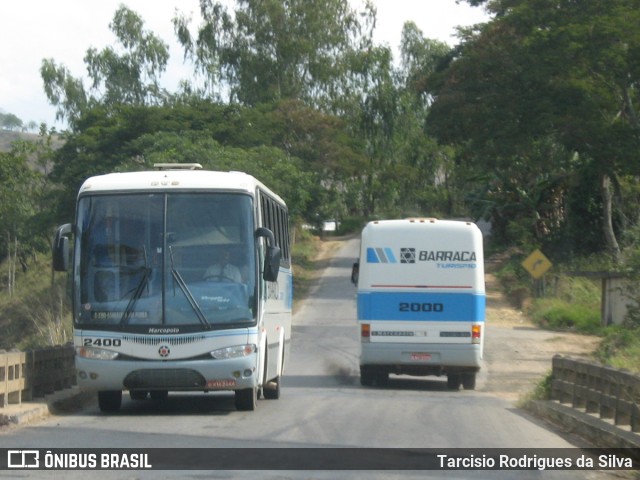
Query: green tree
x=9, y=121
x=21, y=191
x=403, y=170
x=227, y=137
x=130, y=76
x=427, y=178
x=268, y=50
x=548, y=71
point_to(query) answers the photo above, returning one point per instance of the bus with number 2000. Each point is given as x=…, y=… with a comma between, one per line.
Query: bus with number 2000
x=421, y=300
x=181, y=281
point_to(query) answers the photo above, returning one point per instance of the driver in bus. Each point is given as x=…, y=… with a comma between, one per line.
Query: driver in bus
x=223, y=270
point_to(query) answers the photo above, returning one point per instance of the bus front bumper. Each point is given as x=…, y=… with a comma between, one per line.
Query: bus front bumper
x=187, y=375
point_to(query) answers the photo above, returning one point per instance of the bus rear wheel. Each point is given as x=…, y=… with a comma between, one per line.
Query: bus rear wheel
x=453, y=381
x=110, y=400
x=271, y=390
x=469, y=381
x=367, y=376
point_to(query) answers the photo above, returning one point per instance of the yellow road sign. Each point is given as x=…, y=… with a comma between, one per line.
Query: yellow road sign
x=537, y=264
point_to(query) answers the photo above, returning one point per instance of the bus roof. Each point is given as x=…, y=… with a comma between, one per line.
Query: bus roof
x=174, y=179
x=411, y=223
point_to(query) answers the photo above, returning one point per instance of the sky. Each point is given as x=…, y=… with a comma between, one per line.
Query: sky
x=64, y=30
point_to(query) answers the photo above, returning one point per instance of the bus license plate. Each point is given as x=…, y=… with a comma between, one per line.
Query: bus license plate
x=226, y=383
x=421, y=356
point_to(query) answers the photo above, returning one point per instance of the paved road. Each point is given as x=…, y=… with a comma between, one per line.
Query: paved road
x=322, y=405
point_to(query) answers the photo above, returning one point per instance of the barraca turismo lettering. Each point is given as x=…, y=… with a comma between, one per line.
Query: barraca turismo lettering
x=446, y=256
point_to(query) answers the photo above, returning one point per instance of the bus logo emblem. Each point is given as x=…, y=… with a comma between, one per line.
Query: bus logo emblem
x=164, y=351
x=407, y=255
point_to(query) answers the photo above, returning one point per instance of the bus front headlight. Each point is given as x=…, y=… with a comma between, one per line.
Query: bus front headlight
x=236, y=351
x=96, y=353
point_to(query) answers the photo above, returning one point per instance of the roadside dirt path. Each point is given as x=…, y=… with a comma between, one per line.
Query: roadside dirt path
x=517, y=353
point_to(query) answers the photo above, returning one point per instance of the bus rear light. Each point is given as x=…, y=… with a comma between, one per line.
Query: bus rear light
x=365, y=332
x=476, y=333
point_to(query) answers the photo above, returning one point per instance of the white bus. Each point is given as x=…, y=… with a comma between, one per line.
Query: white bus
x=181, y=282
x=421, y=300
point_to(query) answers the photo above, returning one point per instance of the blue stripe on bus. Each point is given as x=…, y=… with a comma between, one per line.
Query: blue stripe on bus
x=390, y=255
x=380, y=255
x=371, y=256
x=288, y=300
x=419, y=306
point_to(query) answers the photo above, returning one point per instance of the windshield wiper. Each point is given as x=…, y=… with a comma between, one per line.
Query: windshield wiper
x=146, y=272
x=187, y=293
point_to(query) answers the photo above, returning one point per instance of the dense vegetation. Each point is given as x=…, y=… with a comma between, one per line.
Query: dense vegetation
x=530, y=122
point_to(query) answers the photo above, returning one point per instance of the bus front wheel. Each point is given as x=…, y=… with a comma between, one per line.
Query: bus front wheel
x=159, y=395
x=247, y=399
x=110, y=400
x=138, y=394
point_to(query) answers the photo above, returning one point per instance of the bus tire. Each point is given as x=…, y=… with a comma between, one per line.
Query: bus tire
x=138, y=394
x=453, y=381
x=110, y=401
x=469, y=381
x=271, y=390
x=159, y=395
x=246, y=399
x=367, y=376
x=382, y=379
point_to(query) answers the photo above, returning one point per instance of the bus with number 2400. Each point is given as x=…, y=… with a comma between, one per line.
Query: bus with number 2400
x=181, y=281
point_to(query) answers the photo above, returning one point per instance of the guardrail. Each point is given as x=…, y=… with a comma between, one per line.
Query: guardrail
x=35, y=373
x=609, y=392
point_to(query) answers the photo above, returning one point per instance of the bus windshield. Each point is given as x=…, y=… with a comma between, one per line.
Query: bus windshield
x=171, y=260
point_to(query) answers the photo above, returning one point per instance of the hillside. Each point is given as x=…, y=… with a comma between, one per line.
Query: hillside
x=8, y=137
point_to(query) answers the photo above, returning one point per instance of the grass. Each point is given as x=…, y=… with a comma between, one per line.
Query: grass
x=542, y=390
x=306, y=264
x=573, y=304
x=576, y=307
x=36, y=315
x=558, y=314
x=627, y=358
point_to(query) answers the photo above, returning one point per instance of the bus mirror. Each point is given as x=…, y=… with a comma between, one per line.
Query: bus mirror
x=61, y=248
x=272, y=255
x=355, y=273
x=271, y=264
